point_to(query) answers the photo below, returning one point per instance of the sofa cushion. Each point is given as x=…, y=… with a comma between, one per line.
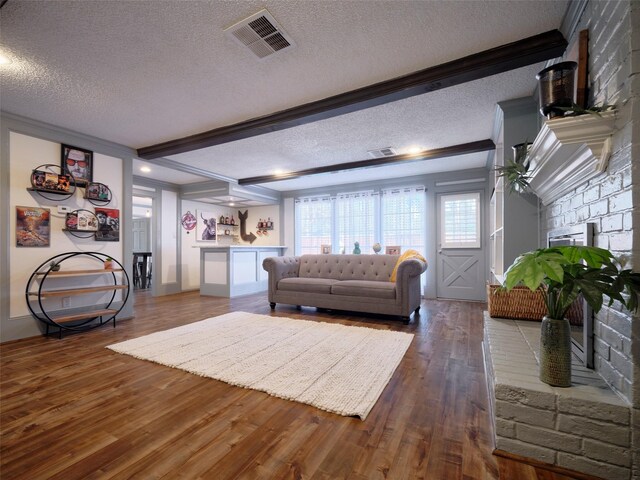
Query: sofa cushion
x=348, y=267
x=311, y=285
x=364, y=288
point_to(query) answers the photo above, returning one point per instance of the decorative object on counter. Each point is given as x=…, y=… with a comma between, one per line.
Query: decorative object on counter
x=188, y=221
x=98, y=193
x=376, y=248
x=356, y=248
x=393, y=250
x=79, y=163
x=108, y=224
x=247, y=237
x=81, y=223
x=325, y=249
x=233, y=220
x=33, y=227
x=48, y=179
x=564, y=273
x=54, y=266
x=43, y=287
x=556, y=85
x=221, y=220
x=207, y=227
x=108, y=263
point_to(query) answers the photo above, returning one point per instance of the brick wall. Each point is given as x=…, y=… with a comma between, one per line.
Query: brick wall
x=608, y=201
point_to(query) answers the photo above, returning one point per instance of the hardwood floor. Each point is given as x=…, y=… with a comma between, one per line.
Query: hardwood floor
x=72, y=409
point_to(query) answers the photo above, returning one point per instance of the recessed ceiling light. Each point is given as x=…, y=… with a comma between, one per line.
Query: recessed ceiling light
x=231, y=204
x=413, y=150
x=279, y=171
x=145, y=169
x=4, y=60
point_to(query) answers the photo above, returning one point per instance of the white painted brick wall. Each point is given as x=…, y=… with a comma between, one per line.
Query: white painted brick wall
x=607, y=453
x=549, y=438
x=586, y=427
x=608, y=200
x=593, y=467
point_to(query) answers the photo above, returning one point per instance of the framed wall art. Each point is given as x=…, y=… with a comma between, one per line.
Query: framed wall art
x=33, y=228
x=206, y=227
x=79, y=163
x=108, y=224
x=393, y=250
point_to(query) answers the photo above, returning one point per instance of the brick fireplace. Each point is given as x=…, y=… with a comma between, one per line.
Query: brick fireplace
x=593, y=426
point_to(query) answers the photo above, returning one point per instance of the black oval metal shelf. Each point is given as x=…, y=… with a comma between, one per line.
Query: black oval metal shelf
x=39, y=181
x=100, y=189
x=81, y=233
x=76, y=321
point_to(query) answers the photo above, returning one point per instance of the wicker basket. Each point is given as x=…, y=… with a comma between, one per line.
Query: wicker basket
x=520, y=303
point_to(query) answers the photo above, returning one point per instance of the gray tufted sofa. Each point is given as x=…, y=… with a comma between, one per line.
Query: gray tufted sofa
x=346, y=282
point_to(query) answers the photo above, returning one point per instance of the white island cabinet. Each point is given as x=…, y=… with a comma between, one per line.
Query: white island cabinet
x=234, y=270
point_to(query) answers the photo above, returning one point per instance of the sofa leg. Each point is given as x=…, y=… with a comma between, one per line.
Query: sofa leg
x=417, y=310
x=272, y=305
x=298, y=307
x=406, y=320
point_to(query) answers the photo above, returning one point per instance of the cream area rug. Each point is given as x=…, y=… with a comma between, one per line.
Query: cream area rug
x=337, y=368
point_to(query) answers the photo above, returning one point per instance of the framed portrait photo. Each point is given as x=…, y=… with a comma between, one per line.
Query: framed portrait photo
x=325, y=249
x=393, y=250
x=77, y=162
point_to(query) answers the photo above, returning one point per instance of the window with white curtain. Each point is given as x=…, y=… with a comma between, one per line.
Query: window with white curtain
x=394, y=216
x=314, y=224
x=460, y=217
x=404, y=218
x=356, y=221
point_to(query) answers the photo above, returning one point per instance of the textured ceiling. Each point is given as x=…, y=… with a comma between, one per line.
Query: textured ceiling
x=143, y=72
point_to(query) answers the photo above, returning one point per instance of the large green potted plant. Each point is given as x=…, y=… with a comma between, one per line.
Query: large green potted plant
x=561, y=274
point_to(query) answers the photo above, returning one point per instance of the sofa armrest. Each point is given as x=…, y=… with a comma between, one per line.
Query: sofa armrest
x=279, y=268
x=408, y=284
x=412, y=267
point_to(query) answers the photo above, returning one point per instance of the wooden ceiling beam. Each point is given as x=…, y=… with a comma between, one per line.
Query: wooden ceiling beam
x=473, y=67
x=453, y=151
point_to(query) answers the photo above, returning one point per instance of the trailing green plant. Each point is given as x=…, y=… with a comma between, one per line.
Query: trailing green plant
x=575, y=110
x=515, y=176
x=563, y=273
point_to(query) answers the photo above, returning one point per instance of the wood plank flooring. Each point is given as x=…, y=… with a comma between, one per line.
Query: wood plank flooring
x=72, y=409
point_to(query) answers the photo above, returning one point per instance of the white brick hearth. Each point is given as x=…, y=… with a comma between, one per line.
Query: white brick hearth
x=585, y=427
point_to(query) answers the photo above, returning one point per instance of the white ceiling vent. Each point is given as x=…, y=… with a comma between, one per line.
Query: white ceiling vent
x=382, y=152
x=261, y=34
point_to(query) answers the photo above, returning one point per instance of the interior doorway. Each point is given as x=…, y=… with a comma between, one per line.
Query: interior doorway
x=142, y=243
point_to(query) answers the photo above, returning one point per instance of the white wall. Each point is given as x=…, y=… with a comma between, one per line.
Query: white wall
x=27, y=153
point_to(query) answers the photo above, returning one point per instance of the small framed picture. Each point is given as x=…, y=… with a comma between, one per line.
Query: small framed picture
x=79, y=163
x=393, y=250
x=325, y=249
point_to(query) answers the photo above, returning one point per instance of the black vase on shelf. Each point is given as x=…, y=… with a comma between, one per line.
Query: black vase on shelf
x=556, y=85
